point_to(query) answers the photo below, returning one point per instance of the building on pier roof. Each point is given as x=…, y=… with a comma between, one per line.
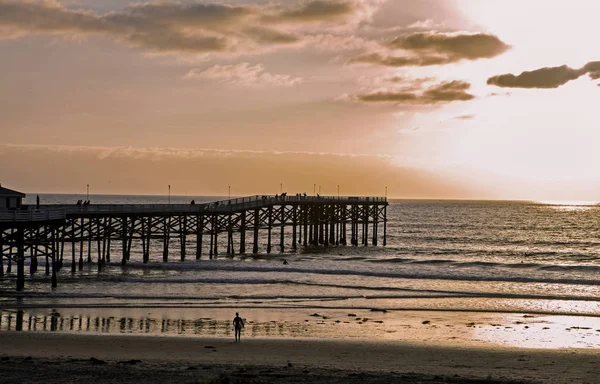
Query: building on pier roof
x=10, y=199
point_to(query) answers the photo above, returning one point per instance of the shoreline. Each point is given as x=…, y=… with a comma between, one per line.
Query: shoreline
x=341, y=356
x=437, y=328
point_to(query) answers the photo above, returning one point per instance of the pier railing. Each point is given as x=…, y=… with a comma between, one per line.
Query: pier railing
x=32, y=215
x=247, y=202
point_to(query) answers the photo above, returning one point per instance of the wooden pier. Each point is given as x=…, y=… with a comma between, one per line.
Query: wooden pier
x=94, y=233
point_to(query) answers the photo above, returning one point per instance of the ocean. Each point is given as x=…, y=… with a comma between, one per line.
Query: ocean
x=509, y=257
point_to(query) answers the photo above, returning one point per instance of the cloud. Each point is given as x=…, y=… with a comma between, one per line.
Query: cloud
x=454, y=47
x=547, y=77
x=244, y=75
x=593, y=69
x=441, y=93
x=181, y=27
x=315, y=11
x=399, y=61
x=464, y=117
x=433, y=48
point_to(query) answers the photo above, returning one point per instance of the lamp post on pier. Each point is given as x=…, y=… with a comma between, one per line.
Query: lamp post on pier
x=314, y=189
x=338, y=191
x=230, y=192
x=281, y=188
x=169, y=193
x=87, y=193
x=386, y=192
x=319, y=190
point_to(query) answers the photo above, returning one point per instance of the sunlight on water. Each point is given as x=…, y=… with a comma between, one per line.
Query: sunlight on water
x=570, y=205
x=543, y=332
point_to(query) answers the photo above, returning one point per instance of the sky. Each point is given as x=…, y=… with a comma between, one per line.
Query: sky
x=456, y=99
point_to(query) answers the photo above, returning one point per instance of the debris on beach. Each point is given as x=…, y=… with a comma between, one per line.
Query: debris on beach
x=426, y=322
x=130, y=362
x=93, y=360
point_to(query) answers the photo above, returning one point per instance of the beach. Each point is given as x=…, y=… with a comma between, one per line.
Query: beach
x=42, y=357
x=447, y=347
x=489, y=291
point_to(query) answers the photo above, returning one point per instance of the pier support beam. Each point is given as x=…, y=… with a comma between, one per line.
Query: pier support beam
x=199, y=230
x=269, y=229
x=305, y=223
x=20, y=240
x=80, y=266
x=384, y=226
x=366, y=225
x=216, y=231
x=183, y=235
x=54, y=256
x=230, y=248
x=89, y=238
x=10, y=251
x=124, y=239
x=332, y=221
x=1, y=253
x=256, y=224
x=212, y=237
x=73, y=260
x=33, y=263
x=108, y=236
x=166, y=231
x=243, y=233
x=294, y=225
x=281, y=233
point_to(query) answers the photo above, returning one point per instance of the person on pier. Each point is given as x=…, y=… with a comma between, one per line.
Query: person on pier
x=238, y=324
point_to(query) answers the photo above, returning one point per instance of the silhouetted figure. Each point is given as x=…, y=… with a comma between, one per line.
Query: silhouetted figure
x=37, y=201
x=285, y=262
x=193, y=202
x=238, y=324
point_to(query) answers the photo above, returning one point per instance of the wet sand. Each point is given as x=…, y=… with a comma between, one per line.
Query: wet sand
x=59, y=357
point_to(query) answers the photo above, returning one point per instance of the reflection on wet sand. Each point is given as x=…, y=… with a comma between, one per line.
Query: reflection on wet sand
x=54, y=322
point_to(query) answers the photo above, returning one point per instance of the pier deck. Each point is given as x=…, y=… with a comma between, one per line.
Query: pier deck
x=102, y=229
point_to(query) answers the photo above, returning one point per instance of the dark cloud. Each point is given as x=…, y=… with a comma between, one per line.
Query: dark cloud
x=394, y=96
x=437, y=94
x=447, y=92
x=175, y=26
x=317, y=10
x=454, y=46
x=428, y=48
x=547, y=77
x=593, y=69
x=399, y=61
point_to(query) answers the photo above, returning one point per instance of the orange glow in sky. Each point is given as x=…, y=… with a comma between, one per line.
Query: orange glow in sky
x=434, y=99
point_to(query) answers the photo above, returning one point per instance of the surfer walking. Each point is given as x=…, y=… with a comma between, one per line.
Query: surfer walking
x=238, y=324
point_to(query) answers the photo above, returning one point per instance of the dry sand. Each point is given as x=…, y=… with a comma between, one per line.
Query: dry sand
x=62, y=357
